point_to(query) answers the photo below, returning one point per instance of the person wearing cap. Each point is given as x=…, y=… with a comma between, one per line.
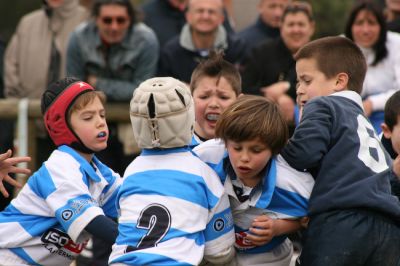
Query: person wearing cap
x=173, y=208
x=69, y=197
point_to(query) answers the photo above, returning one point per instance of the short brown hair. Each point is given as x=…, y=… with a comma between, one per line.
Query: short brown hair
x=392, y=110
x=84, y=99
x=298, y=7
x=216, y=67
x=335, y=55
x=253, y=117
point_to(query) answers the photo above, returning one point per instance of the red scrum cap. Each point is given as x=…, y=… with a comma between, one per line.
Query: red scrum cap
x=55, y=104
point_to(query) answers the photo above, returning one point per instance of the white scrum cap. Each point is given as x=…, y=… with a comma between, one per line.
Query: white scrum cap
x=162, y=113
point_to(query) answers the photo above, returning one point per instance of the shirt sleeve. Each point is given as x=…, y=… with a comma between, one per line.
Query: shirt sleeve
x=311, y=138
x=219, y=233
x=70, y=198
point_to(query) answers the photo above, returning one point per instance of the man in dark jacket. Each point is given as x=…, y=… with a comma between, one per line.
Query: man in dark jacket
x=202, y=32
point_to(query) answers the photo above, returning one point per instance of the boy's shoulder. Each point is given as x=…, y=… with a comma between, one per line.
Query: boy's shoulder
x=291, y=179
x=211, y=151
x=183, y=160
x=339, y=100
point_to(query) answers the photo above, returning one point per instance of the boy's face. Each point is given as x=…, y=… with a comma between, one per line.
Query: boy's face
x=90, y=125
x=311, y=82
x=248, y=159
x=393, y=134
x=210, y=100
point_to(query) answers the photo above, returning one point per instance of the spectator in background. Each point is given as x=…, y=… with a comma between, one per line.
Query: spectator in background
x=393, y=15
x=267, y=24
x=270, y=69
x=114, y=53
x=202, y=32
x=7, y=132
x=167, y=17
x=36, y=56
x=366, y=26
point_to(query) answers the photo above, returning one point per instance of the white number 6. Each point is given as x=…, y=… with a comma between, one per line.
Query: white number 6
x=368, y=142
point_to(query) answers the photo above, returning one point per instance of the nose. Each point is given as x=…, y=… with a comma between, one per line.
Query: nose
x=300, y=89
x=244, y=156
x=101, y=121
x=114, y=25
x=214, y=102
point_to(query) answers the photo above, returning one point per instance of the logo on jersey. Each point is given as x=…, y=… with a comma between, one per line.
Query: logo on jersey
x=242, y=243
x=219, y=224
x=54, y=239
x=79, y=205
x=66, y=215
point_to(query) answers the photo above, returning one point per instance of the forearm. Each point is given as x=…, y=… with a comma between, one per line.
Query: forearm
x=104, y=228
x=286, y=226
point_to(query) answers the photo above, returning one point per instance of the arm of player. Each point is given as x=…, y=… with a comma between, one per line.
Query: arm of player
x=103, y=228
x=7, y=165
x=219, y=234
x=265, y=228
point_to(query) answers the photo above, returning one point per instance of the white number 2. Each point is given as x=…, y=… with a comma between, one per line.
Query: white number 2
x=369, y=142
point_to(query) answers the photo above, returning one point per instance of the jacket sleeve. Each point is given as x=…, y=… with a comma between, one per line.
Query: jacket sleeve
x=310, y=141
x=251, y=73
x=75, y=65
x=12, y=81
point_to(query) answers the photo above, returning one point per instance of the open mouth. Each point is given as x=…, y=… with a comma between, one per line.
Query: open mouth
x=102, y=134
x=212, y=117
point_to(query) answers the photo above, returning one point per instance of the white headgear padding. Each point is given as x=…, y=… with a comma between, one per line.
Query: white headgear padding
x=162, y=113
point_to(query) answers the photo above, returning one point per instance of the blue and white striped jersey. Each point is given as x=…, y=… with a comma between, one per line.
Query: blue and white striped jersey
x=173, y=211
x=195, y=141
x=284, y=193
x=44, y=224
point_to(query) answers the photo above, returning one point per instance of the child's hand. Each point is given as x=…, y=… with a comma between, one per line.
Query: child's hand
x=7, y=165
x=304, y=221
x=263, y=230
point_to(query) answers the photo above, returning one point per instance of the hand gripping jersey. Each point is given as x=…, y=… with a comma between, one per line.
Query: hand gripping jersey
x=173, y=211
x=44, y=224
x=283, y=194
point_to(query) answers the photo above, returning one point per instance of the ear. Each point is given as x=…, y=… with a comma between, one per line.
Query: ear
x=386, y=131
x=342, y=80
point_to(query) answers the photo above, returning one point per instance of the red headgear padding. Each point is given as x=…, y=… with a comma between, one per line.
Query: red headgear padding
x=55, y=118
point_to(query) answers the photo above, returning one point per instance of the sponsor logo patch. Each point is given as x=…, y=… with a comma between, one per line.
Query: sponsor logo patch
x=219, y=224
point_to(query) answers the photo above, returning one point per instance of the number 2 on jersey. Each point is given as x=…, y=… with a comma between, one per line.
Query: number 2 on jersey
x=156, y=219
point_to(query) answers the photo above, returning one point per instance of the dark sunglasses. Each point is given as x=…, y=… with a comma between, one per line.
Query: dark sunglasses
x=119, y=20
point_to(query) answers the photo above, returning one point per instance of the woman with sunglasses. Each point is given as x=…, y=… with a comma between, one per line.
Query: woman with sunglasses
x=270, y=69
x=366, y=26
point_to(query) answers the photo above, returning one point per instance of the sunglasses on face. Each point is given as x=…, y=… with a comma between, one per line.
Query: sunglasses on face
x=119, y=20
